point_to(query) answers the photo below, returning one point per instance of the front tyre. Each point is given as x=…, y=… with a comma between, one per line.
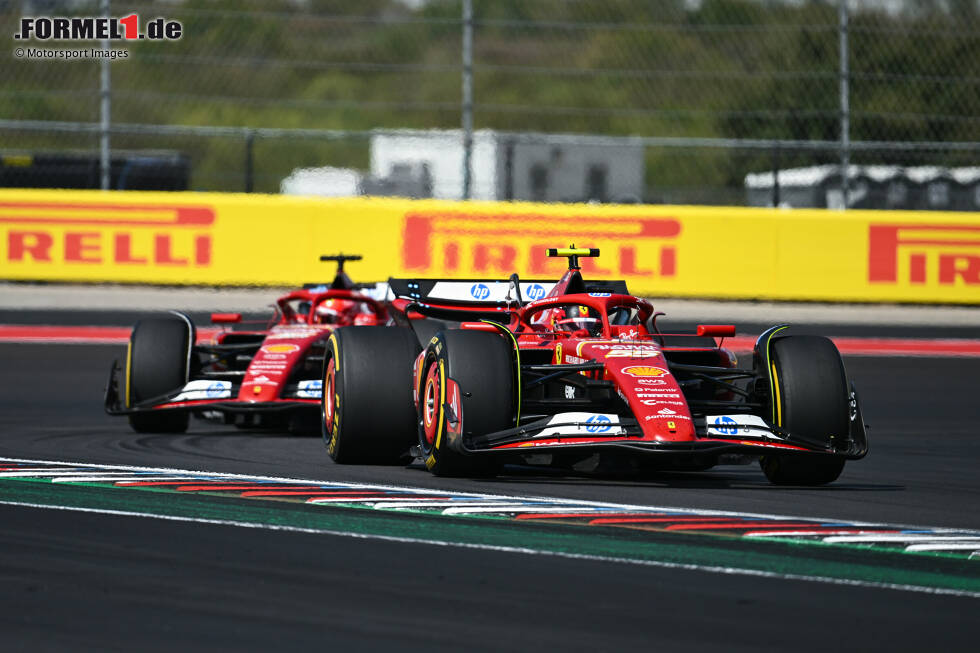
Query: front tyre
x=158, y=363
x=482, y=366
x=367, y=410
x=810, y=400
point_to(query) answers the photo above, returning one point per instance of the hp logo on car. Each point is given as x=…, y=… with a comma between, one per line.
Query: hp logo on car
x=598, y=424
x=215, y=390
x=730, y=426
x=535, y=291
x=479, y=291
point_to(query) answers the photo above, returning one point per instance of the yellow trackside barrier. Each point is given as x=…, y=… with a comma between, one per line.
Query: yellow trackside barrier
x=684, y=251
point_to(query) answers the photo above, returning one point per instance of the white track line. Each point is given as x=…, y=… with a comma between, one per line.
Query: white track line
x=730, y=571
x=521, y=507
x=792, y=534
x=492, y=497
x=950, y=546
x=888, y=537
x=123, y=477
x=444, y=504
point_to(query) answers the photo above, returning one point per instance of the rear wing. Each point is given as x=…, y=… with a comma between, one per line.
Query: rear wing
x=487, y=292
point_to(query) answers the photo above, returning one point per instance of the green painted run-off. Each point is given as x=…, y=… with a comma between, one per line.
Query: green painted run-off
x=782, y=558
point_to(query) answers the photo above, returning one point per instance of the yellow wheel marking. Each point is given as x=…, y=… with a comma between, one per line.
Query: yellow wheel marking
x=442, y=402
x=335, y=427
x=129, y=367
x=336, y=352
x=773, y=390
x=776, y=407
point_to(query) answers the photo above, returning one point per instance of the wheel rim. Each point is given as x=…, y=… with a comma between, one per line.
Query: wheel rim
x=329, y=397
x=430, y=405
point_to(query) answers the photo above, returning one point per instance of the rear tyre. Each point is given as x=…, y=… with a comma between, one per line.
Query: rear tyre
x=811, y=400
x=367, y=411
x=157, y=364
x=482, y=365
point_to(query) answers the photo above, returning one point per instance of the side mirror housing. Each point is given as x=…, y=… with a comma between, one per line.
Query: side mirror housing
x=716, y=330
x=479, y=326
x=226, y=318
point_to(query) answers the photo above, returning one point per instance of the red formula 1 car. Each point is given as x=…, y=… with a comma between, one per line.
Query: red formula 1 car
x=368, y=410
x=267, y=377
x=584, y=376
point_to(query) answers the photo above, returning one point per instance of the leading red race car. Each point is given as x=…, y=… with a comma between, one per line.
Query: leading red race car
x=584, y=374
x=267, y=376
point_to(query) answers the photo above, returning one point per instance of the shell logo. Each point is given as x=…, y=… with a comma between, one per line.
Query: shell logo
x=644, y=371
x=280, y=349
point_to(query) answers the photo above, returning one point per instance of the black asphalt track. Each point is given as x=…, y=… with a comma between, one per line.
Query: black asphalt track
x=97, y=582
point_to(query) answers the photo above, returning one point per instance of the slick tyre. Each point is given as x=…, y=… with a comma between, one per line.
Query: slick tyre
x=482, y=365
x=158, y=362
x=367, y=411
x=810, y=400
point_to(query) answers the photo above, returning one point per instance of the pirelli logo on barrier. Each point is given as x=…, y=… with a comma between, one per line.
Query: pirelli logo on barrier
x=494, y=245
x=921, y=254
x=678, y=251
x=106, y=234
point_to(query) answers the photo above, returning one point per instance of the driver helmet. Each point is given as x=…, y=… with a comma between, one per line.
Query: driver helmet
x=335, y=311
x=575, y=318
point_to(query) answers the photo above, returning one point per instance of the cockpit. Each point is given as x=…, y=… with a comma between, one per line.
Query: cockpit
x=585, y=316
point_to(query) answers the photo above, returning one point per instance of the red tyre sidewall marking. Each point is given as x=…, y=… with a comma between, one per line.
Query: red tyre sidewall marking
x=329, y=396
x=430, y=404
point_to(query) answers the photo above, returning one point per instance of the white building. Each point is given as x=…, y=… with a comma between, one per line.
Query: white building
x=325, y=182
x=505, y=166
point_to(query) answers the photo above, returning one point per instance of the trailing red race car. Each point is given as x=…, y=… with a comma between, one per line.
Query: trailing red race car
x=261, y=377
x=584, y=374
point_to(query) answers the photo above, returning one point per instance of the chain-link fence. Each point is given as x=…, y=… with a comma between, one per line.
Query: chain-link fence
x=680, y=101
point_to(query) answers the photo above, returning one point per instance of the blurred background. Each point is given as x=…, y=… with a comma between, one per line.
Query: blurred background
x=727, y=102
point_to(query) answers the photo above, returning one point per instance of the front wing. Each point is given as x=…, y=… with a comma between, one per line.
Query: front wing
x=625, y=434
x=114, y=405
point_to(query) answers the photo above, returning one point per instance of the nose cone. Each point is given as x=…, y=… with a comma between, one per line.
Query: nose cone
x=654, y=397
x=256, y=391
x=269, y=370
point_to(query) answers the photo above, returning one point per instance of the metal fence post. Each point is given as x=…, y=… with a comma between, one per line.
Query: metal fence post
x=845, y=107
x=249, y=160
x=105, y=102
x=467, y=96
x=775, y=175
